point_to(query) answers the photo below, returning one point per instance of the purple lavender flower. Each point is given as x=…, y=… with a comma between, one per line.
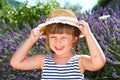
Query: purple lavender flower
x=114, y=75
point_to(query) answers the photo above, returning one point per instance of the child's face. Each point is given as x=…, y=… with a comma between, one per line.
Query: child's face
x=61, y=43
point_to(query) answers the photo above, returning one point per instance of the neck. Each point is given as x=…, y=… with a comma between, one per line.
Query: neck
x=62, y=59
x=62, y=55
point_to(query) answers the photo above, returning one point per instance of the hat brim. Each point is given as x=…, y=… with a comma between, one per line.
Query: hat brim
x=42, y=26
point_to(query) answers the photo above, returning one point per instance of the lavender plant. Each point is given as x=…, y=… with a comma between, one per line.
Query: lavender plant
x=9, y=42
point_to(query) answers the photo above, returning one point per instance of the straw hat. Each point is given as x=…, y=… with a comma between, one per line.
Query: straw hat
x=63, y=16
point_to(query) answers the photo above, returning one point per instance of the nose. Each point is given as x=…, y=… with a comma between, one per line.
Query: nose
x=58, y=42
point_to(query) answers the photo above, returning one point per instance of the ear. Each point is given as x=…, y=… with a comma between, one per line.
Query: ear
x=75, y=39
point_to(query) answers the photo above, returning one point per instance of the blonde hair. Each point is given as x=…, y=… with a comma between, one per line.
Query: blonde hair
x=59, y=28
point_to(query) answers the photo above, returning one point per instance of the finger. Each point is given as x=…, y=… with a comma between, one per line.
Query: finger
x=82, y=22
x=41, y=33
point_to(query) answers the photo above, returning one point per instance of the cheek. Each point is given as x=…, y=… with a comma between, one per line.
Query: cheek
x=51, y=44
x=68, y=44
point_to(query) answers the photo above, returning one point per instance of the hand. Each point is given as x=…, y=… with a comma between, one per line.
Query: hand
x=35, y=37
x=85, y=30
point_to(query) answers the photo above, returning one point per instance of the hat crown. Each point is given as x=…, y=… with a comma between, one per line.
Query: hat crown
x=63, y=16
x=62, y=12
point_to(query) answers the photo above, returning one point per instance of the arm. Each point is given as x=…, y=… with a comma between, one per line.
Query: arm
x=20, y=60
x=96, y=60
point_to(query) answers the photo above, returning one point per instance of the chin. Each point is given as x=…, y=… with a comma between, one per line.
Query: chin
x=59, y=52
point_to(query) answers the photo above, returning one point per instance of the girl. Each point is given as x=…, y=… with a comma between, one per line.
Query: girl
x=62, y=31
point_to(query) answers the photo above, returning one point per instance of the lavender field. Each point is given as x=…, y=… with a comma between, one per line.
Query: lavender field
x=105, y=25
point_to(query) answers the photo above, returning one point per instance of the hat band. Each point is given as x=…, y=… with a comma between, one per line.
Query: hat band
x=62, y=18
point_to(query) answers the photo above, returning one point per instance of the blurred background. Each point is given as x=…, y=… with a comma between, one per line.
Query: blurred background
x=18, y=17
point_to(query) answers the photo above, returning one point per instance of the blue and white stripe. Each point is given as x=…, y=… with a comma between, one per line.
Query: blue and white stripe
x=69, y=71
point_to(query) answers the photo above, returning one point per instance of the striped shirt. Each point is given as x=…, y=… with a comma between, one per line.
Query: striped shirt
x=69, y=71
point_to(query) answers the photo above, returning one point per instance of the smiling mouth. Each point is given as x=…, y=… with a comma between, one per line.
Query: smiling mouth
x=59, y=48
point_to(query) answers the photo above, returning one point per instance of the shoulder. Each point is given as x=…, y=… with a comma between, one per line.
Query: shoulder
x=43, y=56
x=41, y=59
x=82, y=59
